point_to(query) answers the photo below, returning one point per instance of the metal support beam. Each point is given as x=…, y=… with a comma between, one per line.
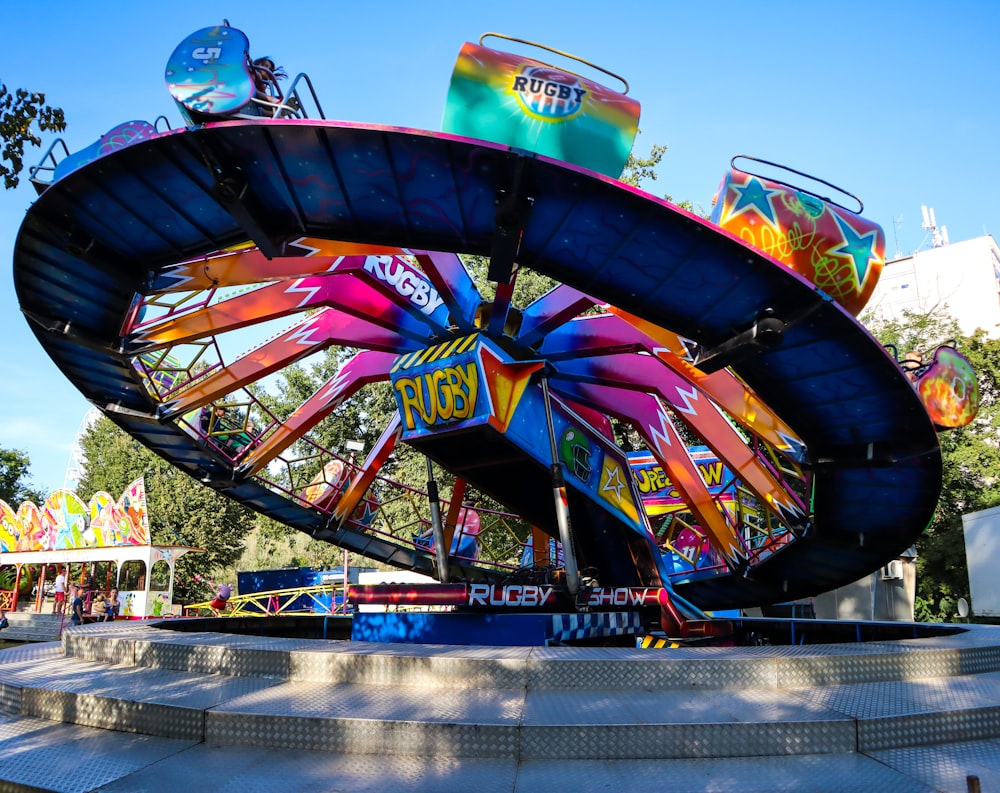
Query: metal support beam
x=561, y=503
x=437, y=525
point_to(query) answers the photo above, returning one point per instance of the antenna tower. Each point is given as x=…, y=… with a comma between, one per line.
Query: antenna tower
x=939, y=236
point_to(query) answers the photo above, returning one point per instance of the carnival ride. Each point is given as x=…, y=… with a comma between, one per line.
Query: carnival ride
x=732, y=340
x=104, y=542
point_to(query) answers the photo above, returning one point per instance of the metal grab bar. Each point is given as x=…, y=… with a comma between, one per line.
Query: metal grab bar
x=601, y=69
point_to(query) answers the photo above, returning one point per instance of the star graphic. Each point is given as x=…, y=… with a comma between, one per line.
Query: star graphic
x=858, y=247
x=753, y=194
x=614, y=482
x=368, y=515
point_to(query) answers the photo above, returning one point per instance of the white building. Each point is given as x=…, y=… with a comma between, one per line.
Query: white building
x=962, y=279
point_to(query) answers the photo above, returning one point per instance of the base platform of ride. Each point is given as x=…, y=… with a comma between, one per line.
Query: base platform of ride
x=498, y=629
x=133, y=707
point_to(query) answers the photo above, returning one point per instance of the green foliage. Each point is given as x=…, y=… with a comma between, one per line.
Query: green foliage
x=943, y=608
x=29, y=574
x=15, y=481
x=919, y=331
x=641, y=169
x=971, y=457
x=20, y=112
x=638, y=169
x=181, y=510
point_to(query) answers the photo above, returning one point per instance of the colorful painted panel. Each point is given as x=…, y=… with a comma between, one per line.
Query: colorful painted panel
x=160, y=372
x=840, y=252
x=440, y=388
x=208, y=74
x=593, y=464
x=10, y=528
x=949, y=389
x=686, y=545
x=471, y=382
x=118, y=138
x=65, y=513
x=133, y=506
x=325, y=486
x=33, y=531
x=530, y=105
x=109, y=525
x=66, y=522
x=660, y=497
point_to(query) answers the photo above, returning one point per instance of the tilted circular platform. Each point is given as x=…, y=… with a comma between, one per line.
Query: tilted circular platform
x=99, y=237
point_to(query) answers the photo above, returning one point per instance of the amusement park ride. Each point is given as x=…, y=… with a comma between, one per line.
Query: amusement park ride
x=727, y=345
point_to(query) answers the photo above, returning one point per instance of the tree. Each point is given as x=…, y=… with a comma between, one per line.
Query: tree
x=641, y=169
x=971, y=459
x=15, y=482
x=971, y=462
x=181, y=510
x=20, y=111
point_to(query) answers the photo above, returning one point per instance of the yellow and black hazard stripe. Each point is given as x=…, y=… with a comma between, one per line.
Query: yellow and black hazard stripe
x=431, y=354
x=657, y=642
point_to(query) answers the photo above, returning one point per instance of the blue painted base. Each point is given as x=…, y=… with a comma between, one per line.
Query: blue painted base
x=508, y=630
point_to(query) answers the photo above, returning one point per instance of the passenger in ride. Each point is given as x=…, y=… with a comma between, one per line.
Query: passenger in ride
x=99, y=608
x=3, y=620
x=216, y=425
x=265, y=81
x=219, y=420
x=114, y=605
x=465, y=541
x=912, y=364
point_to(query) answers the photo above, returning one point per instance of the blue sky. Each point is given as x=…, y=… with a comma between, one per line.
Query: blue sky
x=895, y=101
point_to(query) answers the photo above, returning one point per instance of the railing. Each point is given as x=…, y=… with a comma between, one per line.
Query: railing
x=293, y=106
x=47, y=165
x=58, y=151
x=319, y=599
x=279, y=105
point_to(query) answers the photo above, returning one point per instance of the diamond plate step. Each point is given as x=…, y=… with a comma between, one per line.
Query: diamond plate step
x=521, y=703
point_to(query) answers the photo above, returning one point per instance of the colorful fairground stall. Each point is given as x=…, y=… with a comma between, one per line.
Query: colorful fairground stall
x=104, y=543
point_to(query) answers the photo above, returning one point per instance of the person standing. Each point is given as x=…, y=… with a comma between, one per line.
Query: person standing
x=76, y=607
x=60, y=594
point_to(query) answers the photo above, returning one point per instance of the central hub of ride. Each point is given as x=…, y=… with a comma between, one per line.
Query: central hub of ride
x=481, y=414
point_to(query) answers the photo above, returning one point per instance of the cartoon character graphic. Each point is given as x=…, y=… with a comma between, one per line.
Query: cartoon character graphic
x=133, y=505
x=67, y=515
x=10, y=528
x=576, y=454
